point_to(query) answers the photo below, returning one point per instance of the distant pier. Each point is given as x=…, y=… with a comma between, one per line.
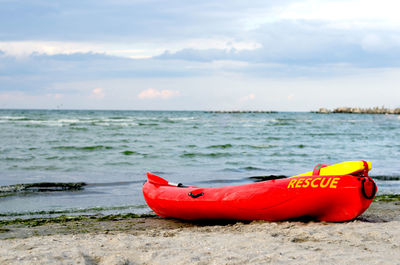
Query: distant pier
x=241, y=111
x=375, y=110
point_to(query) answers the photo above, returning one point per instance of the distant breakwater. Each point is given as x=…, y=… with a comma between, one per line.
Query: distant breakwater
x=241, y=111
x=374, y=110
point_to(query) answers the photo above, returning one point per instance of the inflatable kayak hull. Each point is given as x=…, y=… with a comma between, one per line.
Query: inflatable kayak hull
x=325, y=198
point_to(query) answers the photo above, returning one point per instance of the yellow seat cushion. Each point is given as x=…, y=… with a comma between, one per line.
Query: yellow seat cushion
x=344, y=168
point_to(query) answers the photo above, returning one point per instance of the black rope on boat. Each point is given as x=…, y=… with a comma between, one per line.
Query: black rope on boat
x=194, y=196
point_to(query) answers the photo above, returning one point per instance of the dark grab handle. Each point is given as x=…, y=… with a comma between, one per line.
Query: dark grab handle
x=373, y=191
x=194, y=196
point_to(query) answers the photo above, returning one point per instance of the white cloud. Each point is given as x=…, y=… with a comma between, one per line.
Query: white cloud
x=55, y=95
x=249, y=97
x=152, y=93
x=358, y=13
x=217, y=43
x=144, y=50
x=26, y=48
x=97, y=93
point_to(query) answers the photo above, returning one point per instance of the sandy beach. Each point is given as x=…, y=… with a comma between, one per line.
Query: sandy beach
x=373, y=238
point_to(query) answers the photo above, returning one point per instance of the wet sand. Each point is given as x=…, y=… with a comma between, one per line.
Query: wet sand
x=373, y=238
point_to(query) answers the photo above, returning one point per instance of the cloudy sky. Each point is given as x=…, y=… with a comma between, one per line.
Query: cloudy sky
x=199, y=55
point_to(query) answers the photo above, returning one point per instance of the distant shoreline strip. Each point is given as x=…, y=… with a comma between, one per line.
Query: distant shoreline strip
x=375, y=110
x=350, y=110
x=241, y=111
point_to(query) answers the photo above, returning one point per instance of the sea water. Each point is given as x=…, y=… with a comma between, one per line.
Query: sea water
x=111, y=151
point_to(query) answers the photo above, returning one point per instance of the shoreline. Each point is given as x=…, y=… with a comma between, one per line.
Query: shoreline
x=372, y=238
x=384, y=208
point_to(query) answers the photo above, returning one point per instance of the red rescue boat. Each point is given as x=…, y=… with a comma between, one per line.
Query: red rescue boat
x=319, y=197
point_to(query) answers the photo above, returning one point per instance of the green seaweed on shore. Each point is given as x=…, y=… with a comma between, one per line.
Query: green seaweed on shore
x=387, y=198
x=4, y=230
x=85, y=210
x=33, y=222
x=117, y=217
